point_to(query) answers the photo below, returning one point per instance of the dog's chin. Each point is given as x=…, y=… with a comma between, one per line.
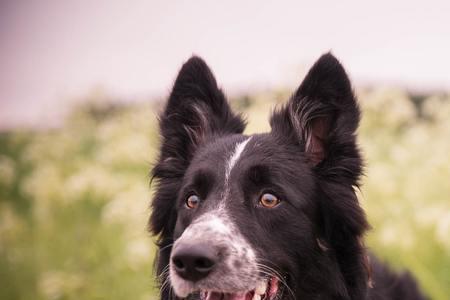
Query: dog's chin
x=265, y=289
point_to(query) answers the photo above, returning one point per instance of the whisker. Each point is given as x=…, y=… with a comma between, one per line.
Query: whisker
x=271, y=271
x=165, y=284
x=165, y=247
x=164, y=271
x=275, y=272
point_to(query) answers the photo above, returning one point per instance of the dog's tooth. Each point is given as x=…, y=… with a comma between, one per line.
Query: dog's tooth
x=256, y=297
x=261, y=287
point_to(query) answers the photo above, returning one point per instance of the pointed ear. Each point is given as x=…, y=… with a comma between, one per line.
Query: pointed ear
x=322, y=115
x=195, y=112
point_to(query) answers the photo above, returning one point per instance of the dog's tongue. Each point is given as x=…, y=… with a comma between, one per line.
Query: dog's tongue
x=222, y=296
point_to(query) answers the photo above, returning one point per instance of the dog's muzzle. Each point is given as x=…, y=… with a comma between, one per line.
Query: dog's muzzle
x=212, y=255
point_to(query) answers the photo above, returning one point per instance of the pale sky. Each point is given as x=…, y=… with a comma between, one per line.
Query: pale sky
x=52, y=52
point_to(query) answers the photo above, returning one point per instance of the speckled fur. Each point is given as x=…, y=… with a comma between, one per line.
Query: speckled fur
x=237, y=268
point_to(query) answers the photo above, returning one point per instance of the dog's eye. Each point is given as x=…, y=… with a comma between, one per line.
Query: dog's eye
x=268, y=200
x=192, y=201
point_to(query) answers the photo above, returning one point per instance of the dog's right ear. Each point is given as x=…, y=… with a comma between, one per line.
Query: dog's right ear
x=195, y=112
x=322, y=117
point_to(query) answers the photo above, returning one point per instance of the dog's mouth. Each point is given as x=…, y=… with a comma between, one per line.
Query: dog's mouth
x=266, y=289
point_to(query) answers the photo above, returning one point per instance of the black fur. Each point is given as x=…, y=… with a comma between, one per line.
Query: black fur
x=310, y=160
x=195, y=112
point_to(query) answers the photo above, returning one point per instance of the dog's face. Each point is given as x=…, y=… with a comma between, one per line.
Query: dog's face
x=266, y=216
x=232, y=209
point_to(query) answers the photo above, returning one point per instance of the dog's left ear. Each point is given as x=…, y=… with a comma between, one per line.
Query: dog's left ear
x=322, y=114
x=322, y=117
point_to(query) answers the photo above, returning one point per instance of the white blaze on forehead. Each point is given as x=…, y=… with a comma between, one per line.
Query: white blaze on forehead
x=235, y=156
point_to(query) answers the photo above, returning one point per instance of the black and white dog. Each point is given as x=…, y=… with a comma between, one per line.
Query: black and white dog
x=267, y=216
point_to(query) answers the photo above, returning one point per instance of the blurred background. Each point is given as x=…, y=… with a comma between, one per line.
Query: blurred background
x=81, y=84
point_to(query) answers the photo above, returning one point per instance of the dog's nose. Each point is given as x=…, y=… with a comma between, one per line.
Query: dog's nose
x=194, y=262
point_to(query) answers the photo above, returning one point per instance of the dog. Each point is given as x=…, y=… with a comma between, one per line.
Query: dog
x=267, y=216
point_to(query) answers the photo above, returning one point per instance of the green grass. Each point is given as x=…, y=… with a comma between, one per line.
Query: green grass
x=74, y=201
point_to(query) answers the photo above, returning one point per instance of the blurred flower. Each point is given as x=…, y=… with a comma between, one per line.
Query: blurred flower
x=92, y=179
x=133, y=148
x=57, y=284
x=7, y=171
x=11, y=226
x=129, y=208
x=44, y=185
x=437, y=108
x=388, y=108
x=138, y=252
x=397, y=235
x=443, y=229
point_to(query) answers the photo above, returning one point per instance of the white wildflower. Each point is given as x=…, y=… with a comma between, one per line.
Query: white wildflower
x=139, y=251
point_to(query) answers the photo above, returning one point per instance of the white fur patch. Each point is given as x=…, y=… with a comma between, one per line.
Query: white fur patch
x=210, y=221
x=235, y=156
x=236, y=271
x=217, y=224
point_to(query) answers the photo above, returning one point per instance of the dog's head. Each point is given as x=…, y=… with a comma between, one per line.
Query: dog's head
x=267, y=216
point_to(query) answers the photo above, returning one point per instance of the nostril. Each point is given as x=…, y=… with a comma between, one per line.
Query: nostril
x=178, y=263
x=203, y=264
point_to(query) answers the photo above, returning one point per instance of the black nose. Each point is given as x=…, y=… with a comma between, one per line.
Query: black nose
x=194, y=262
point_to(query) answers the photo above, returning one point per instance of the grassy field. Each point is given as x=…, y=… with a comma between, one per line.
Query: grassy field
x=74, y=200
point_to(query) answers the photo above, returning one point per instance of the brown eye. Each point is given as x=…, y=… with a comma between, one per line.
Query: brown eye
x=192, y=201
x=268, y=200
